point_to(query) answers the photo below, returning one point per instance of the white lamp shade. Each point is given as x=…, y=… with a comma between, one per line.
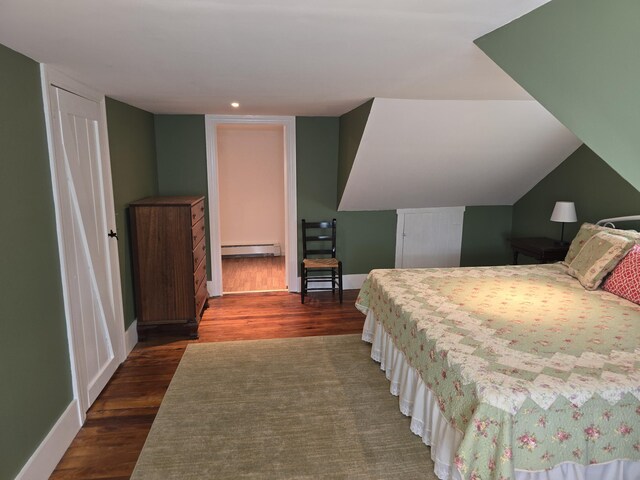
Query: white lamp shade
x=564, y=212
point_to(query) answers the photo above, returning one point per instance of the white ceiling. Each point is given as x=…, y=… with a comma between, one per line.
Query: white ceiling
x=444, y=153
x=287, y=57
x=458, y=132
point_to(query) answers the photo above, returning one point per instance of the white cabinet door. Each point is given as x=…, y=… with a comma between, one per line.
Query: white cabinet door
x=81, y=184
x=429, y=237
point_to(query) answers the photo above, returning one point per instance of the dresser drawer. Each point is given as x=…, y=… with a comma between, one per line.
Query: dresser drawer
x=197, y=232
x=197, y=212
x=199, y=253
x=200, y=276
x=201, y=297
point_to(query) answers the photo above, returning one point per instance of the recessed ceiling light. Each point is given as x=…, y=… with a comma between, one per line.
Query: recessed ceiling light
x=235, y=104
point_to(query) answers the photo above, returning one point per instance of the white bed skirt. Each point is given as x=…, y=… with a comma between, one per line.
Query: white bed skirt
x=418, y=402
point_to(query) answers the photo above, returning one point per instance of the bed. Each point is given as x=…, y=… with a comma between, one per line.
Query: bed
x=514, y=372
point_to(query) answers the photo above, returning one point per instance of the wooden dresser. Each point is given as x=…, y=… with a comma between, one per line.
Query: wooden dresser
x=169, y=263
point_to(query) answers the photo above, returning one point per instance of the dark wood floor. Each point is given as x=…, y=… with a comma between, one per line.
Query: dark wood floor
x=117, y=424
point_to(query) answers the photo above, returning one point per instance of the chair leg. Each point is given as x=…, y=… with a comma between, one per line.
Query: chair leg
x=303, y=282
x=340, y=280
x=333, y=281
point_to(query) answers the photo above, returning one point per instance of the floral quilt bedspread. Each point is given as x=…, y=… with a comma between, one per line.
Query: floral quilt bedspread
x=531, y=367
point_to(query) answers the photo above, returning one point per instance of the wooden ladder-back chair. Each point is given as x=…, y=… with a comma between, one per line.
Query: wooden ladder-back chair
x=319, y=264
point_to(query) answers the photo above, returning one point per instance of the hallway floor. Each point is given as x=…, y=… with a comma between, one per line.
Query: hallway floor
x=253, y=274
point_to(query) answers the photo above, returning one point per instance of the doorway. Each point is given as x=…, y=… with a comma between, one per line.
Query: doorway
x=251, y=207
x=252, y=203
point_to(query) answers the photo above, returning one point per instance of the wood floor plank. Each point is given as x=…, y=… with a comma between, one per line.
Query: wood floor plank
x=117, y=425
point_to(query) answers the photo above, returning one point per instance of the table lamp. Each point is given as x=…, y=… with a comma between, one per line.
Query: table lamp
x=564, y=212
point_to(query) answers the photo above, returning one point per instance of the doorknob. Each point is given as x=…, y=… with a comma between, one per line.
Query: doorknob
x=112, y=234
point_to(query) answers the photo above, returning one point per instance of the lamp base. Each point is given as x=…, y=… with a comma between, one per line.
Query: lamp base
x=562, y=242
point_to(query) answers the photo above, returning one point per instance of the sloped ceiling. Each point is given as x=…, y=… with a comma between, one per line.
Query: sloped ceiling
x=447, y=153
x=579, y=58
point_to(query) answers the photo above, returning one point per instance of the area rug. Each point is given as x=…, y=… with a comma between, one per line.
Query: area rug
x=303, y=408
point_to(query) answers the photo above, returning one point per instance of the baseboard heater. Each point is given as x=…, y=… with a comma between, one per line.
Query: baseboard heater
x=257, y=250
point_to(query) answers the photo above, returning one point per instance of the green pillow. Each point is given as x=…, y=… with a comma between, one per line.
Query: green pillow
x=599, y=255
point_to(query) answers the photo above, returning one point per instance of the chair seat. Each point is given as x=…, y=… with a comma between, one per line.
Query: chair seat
x=320, y=262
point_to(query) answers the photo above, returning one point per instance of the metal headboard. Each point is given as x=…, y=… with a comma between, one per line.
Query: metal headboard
x=608, y=222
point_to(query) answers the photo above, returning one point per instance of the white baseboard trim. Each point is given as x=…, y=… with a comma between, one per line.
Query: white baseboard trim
x=354, y=281
x=130, y=338
x=349, y=282
x=46, y=457
x=210, y=289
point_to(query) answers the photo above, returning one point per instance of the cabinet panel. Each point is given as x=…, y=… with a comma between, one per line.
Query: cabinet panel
x=429, y=237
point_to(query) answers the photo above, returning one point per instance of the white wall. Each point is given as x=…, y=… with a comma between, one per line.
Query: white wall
x=251, y=184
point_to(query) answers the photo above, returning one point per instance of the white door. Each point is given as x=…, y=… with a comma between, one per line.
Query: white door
x=429, y=237
x=96, y=327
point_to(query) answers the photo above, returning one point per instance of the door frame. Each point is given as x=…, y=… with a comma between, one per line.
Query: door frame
x=52, y=77
x=291, y=215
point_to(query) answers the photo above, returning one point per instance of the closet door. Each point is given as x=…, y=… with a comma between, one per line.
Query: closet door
x=429, y=237
x=90, y=262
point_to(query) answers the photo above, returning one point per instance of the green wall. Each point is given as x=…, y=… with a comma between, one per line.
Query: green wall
x=181, y=156
x=584, y=178
x=366, y=240
x=486, y=231
x=134, y=174
x=34, y=360
x=579, y=58
x=352, y=126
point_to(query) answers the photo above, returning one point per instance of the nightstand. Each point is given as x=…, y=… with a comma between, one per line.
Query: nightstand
x=545, y=250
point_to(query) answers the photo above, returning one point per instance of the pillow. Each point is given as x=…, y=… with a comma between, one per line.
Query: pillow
x=599, y=255
x=588, y=230
x=624, y=281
